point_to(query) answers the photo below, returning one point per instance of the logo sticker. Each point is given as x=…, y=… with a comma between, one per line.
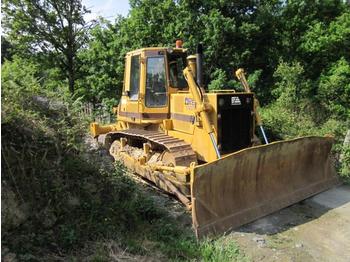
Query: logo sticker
x=235, y=100
x=190, y=103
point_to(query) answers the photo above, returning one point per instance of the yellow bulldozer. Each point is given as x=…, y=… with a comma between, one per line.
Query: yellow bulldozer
x=203, y=146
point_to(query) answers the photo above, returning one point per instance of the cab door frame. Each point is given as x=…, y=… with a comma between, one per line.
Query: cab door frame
x=153, y=114
x=129, y=109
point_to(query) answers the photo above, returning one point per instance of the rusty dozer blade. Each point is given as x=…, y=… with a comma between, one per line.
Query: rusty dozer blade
x=257, y=181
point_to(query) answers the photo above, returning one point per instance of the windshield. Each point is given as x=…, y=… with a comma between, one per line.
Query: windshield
x=155, y=82
x=177, y=63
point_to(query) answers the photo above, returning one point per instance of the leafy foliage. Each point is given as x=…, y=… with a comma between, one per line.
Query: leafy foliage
x=328, y=42
x=102, y=65
x=334, y=89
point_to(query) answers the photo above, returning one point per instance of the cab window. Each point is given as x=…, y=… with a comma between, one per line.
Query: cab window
x=134, y=77
x=156, y=95
x=176, y=66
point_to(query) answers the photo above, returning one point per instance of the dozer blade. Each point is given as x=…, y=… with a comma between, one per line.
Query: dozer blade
x=257, y=181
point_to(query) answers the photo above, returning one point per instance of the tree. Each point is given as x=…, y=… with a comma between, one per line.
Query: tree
x=53, y=27
x=102, y=64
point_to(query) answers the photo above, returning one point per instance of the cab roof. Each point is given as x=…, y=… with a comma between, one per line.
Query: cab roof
x=161, y=48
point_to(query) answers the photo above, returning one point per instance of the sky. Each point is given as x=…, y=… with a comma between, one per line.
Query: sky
x=109, y=9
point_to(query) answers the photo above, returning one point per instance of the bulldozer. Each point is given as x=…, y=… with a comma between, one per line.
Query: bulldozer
x=203, y=147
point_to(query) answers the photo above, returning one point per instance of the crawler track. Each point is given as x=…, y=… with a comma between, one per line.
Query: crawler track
x=181, y=151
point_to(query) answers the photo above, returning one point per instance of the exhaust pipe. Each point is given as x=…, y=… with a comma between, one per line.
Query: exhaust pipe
x=199, y=65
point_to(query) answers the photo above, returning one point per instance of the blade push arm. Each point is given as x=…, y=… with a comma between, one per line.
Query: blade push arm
x=202, y=108
x=241, y=77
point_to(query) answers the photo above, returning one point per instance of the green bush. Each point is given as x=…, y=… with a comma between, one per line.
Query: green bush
x=334, y=89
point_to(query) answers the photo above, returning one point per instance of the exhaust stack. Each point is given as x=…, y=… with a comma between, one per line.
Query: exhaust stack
x=199, y=65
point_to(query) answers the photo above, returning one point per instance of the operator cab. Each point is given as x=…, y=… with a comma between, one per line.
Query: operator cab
x=151, y=74
x=163, y=75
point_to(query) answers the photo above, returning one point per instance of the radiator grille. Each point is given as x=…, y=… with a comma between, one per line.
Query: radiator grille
x=235, y=122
